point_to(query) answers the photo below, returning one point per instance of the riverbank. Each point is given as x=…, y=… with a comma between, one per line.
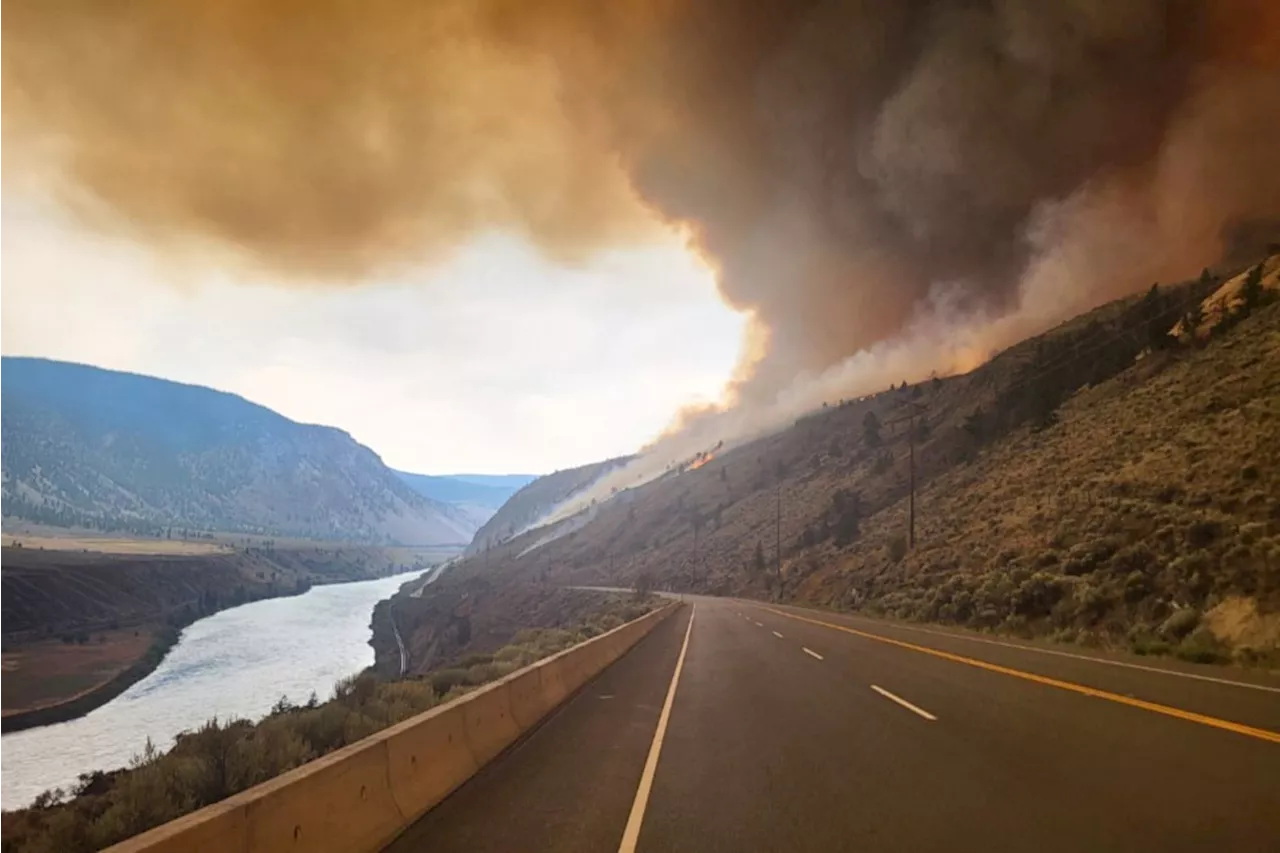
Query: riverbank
x=235, y=664
x=64, y=605
x=79, y=704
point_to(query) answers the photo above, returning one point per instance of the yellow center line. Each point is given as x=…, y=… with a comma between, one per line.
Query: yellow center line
x=1191, y=716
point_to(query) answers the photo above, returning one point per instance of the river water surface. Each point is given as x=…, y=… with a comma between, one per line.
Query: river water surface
x=236, y=663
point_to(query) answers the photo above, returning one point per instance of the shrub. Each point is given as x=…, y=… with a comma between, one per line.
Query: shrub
x=1094, y=602
x=486, y=672
x=1145, y=645
x=897, y=548
x=1133, y=558
x=1180, y=623
x=1037, y=595
x=1200, y=646
x=1016, y=623
x=356, y=689
x=323, y=728
x=1202, y=534
x=509, y=653
x=444, y=680
x=1088, y=556
x=1252, y=532
x=1136, y=587
x=987, y=617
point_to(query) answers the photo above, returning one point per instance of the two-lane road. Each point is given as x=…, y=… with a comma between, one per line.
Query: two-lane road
x=789, y=729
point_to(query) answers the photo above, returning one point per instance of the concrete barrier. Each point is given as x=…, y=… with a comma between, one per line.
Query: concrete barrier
x=487, y=720
x=530, y=701
x=426, y=759
x=344, y=803
x=357, y=799
x=554, y=686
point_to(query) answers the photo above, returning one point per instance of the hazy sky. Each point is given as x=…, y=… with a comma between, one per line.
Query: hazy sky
x=495, y=361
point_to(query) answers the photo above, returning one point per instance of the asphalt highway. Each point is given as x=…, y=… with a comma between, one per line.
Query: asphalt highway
x=741, y=726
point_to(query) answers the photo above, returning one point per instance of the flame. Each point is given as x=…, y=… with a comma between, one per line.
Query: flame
x=700, y=460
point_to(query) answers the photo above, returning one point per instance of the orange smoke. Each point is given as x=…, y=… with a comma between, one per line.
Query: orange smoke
x=1244, y=32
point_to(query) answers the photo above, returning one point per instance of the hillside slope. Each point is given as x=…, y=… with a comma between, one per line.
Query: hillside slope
x=98, y=448
x=1105, y=482
x=534, y=500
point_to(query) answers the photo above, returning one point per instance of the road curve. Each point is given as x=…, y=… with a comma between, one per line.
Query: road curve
x=760, y=727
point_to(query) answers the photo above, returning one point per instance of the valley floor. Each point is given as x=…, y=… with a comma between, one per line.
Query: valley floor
x=81, y=626
x=53, y=671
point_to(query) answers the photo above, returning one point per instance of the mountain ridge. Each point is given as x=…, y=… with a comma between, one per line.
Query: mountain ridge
x=449, y=489
x=88, y=446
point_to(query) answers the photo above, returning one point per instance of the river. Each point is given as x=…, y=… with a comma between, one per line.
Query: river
x=236, y=663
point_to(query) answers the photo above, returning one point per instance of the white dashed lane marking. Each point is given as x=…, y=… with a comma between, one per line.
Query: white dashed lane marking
x=903, y=702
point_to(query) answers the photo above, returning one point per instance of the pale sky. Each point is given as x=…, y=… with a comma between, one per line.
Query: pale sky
x=496, y=361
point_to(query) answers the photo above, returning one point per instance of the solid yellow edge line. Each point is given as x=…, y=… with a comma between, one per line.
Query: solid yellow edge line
x=1191, y=716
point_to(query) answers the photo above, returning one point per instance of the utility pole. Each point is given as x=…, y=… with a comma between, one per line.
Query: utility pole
x=779, y=472
x=917, y=410
x=777, y=533
x=911, y=500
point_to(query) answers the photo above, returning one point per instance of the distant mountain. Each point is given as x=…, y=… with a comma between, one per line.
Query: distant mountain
x=476, y=496
x=452, y=489
x=506, y=481
x=83, y=446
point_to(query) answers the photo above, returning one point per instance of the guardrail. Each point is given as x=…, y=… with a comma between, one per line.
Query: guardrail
x=359, y=798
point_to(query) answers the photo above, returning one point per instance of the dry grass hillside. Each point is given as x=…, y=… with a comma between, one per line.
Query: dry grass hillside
x=534, y=500
x=1150, y=505
x=1106, y=482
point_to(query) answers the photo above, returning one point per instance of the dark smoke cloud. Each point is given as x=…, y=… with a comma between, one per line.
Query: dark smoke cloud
x=864, y=155
x=847, y=166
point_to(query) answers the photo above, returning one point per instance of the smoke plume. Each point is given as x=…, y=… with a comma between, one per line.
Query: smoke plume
x=884, y=185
